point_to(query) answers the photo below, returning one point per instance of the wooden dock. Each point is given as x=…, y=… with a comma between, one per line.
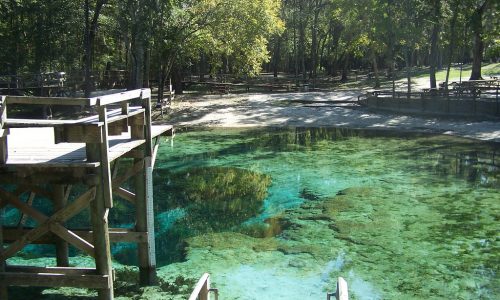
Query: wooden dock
x=47, y=157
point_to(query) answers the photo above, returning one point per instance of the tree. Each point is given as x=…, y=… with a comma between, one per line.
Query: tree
x=433, y=57
x=91, y=23
x=478, y=43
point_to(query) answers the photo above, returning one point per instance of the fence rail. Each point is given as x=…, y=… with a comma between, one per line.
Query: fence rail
x=202, y=289
x=479, y=98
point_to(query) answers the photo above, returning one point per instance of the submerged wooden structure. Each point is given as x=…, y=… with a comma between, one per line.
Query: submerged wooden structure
x=47, y=157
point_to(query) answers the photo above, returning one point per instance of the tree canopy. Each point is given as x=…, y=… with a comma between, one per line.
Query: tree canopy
x=160, y=39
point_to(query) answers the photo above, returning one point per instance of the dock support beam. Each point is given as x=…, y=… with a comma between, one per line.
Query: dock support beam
x=144, y=204
x=144, y=223
x=99, y=217
x=60, y=201
x=3, y=287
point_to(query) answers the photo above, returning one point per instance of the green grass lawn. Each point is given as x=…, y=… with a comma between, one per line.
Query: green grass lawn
x=487, y=70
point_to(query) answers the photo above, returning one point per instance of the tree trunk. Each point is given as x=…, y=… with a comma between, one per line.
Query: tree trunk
x=314, y=45
x=90, y=32
x=345, y=68
x=302, y=49
x=202, y=68
x=451, y=45
x=276, y=56
x=408, y=69
x=137, y=74
x=477, y=50
x=433, y=57
x=375, y=70
x=177, y=79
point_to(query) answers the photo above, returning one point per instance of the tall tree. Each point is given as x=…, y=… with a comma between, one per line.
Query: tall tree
x=433, y=57
x=478, y=43
x=92, y=13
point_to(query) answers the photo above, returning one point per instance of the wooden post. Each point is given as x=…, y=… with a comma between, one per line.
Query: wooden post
x=60, y=201
x=3, y=159
x=144, y=204
x=104, y=158
x=99, y=218
x=3, y=287
x=3, y=132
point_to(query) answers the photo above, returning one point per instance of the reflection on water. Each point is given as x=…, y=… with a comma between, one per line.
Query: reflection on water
x=401, y=216
x=200, y=200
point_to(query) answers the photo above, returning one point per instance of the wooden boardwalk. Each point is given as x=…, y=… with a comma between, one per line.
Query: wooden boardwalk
x=45, y=158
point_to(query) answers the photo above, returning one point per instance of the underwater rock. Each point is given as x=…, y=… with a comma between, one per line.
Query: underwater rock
x=270, y=228
x=309, y=195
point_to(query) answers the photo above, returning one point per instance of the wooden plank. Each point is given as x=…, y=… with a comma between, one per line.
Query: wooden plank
x=125, y=194
x=48, y=178
x=118, y=150
x=342, y=291
x=24, y=217
x=78, y=134
x=33, y=123
x=104, y=159
x=148, y=127
x=3, y=286
x=118, y=128
x=146, y=94
x=56, y=280
x=72, y=238
x=50, y=100
x=117, y=97
x=51, y=270
x=24, y=240
x=113, y=116
x=75, y=207
x=144, y=223
x=201, y=288
x=155, y=153
x=60, y=201
x=4, y=150
x=23, y=207
x=99, y=221
x=116, y=235
x=162, y=130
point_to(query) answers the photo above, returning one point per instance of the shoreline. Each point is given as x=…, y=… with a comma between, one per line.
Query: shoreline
x=313, y=109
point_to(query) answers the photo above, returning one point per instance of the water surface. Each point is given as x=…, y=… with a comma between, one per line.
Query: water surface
x=281, y=213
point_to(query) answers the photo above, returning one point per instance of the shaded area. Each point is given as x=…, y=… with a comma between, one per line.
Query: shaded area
x=203, y=200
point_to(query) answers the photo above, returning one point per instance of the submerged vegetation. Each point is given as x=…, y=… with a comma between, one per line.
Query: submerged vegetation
x=398, y=215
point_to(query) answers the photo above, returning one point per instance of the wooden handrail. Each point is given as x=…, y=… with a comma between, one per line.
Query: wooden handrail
x=93, y=101
x=342, y=292
x=202, y=289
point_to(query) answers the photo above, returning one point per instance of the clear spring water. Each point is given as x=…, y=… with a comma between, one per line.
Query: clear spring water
x=281, y=213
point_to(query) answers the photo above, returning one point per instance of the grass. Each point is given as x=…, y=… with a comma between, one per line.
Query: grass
x=487, y=70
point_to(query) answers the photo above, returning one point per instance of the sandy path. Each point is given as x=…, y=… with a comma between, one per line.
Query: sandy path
x=336, y=109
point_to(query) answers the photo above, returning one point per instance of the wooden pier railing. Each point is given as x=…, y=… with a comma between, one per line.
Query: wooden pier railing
x=468, y=98
x=202, y=289
x=47, y=157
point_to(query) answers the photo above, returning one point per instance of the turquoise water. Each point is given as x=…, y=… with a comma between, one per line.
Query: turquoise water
x=281, y=213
